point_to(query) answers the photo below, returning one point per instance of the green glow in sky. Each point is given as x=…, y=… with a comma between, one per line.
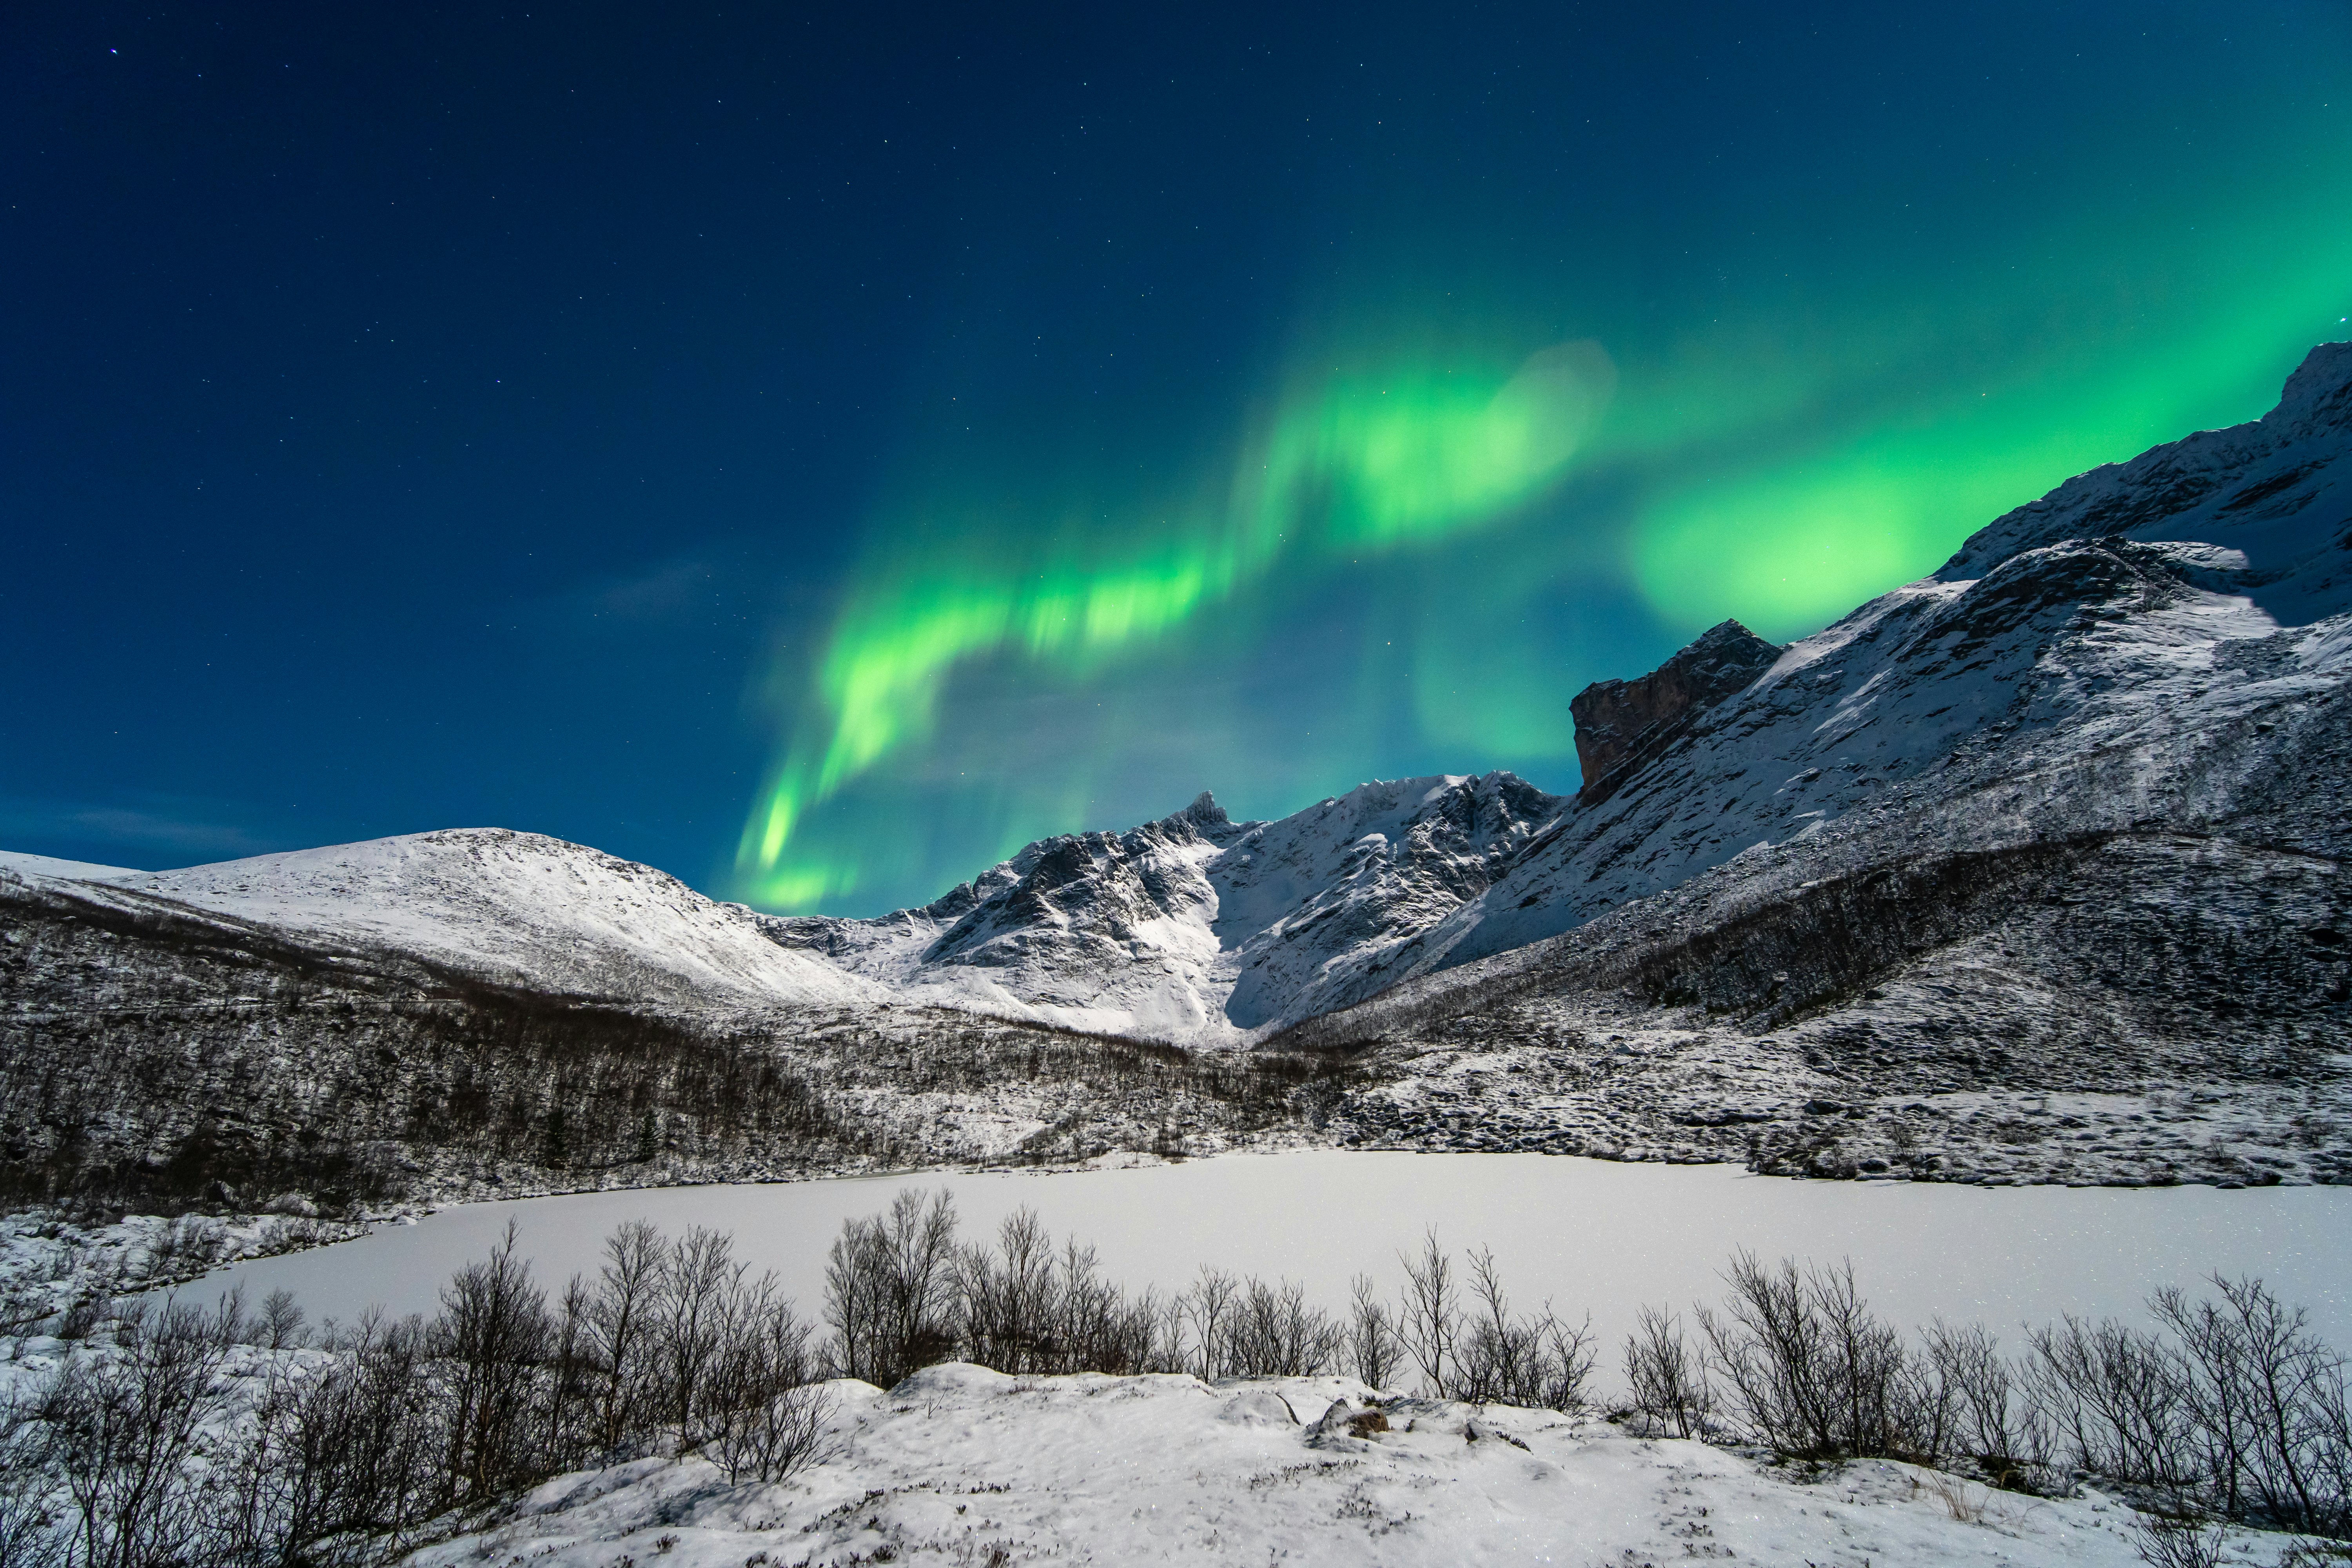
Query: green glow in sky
x=1792, y=542
x=1355, y=465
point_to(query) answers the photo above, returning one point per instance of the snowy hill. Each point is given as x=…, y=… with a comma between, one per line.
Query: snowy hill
x=515, y=908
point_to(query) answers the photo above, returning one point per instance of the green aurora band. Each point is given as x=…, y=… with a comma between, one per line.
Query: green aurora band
x=1359, y=464
x=1749, y=471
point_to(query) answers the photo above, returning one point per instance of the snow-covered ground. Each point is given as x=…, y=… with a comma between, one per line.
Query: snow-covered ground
x=959, y=1465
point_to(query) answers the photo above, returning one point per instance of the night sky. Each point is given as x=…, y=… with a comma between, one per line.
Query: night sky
x=817, y=452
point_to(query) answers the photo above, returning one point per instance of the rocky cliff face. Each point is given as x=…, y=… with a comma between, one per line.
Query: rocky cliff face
x=1621, y=721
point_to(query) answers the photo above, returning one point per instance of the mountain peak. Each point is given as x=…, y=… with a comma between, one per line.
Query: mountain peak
x=1204, y=811
x=2320, y=389
x=2273, y=487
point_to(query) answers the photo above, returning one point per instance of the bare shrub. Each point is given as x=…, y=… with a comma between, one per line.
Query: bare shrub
x=693, y=1292
x=338, y=1460
x=2265, y=1408
x=618, y=1338
x=27, y=1536
x=2114, y=1399
x=2178, y=1541
x=121, y=1421
x=1667, y=1376
x=1980, y=1411
x=767, y=1418
x=1277, y=1335
x=1540, y=1361
x=1809, y=1369
x=279, y=1325
x=1008, y=1297
x=1429, y=1319
x=1208, y=1308
x=888, y=1288
x=490, y=1341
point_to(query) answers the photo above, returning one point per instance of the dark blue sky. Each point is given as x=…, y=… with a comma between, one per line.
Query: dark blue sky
x=596, y=422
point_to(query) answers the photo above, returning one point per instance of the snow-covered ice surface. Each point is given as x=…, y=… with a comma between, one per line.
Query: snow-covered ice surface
x=1603, y=1236
x=959, y=1465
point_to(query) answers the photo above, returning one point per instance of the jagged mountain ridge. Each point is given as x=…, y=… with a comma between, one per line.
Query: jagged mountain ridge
x=2036, y=684
x=1197, y=928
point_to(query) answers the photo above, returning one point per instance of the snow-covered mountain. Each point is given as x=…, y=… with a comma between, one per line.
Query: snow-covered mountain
x=1197, y=928
x=2052, y=841
x=2154, y=641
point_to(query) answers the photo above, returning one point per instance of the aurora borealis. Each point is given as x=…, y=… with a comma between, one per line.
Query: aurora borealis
x=1367, y=465
x=818, y=457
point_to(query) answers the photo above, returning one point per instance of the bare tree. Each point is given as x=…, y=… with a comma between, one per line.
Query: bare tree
x=2114, y=1397
x=1208, y=1308
x=1809, y=1368
x=691, y=1300
x=121, y=1423
x=1987, y=1419
x=28, y=1537
x=890, y=1285
x=768, y=1415
x=279, y=1326
x=491, y=1338
x=2266, y=1408
x=1007, y=1298
x=1430, y=1322
x=335, y=1461
x=1274, y=1333
x=620, y=1317
x=1372, y=1347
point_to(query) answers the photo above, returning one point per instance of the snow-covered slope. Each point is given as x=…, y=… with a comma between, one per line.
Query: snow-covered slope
x=518, y=909
x=2279, y=490
x=1196, y=928
x=962, y=1466
x=49, y=866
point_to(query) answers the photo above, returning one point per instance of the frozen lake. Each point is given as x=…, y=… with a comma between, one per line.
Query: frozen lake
x=1591, y=1235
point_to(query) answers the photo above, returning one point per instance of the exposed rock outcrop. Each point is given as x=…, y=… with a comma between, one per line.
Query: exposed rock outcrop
x=1622, y=721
